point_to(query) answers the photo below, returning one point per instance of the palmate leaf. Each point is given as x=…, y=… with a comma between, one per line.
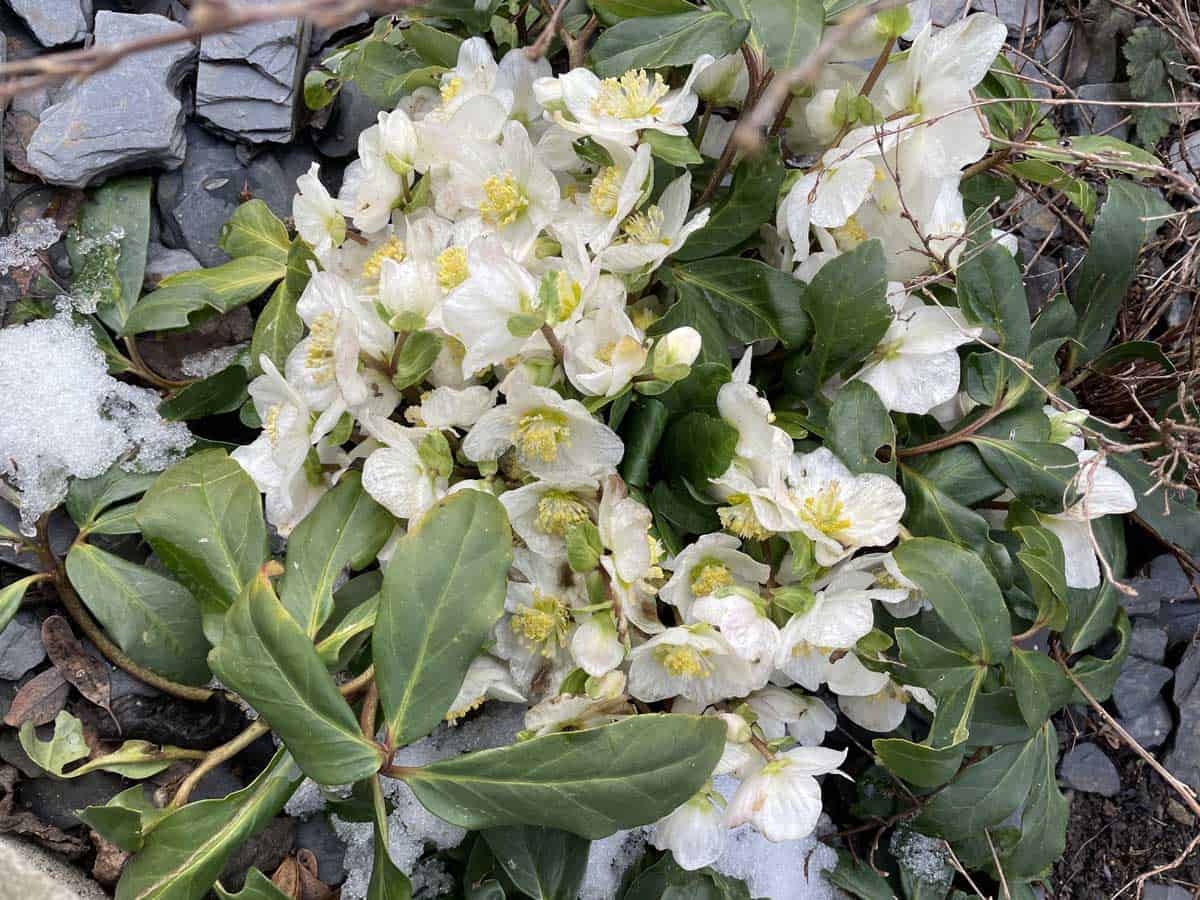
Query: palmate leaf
x=590, y=783
x=443, y=590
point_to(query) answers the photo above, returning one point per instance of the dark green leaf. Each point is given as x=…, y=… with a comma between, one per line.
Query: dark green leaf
x=267, y=658
x=667, y=880
x=698, y=446
x=1044, y=817
x=382, y=72
x=918, y=764
x=990, y=293
x=443, y=590
x=750, y=201
x=609, y=12
x=1180, y=523
x=545, y=863
x=220, y=393
x=674, y=149
x=300, y=258
x=345, y=529
x=985, y=794
x=963, y=593
x=257, y=887
x=434, y=46
x=88, y=497
x=788, y=31
x=652, y=42
x=693, y=311
x=591, y=783
x=1039, y=683
x=1038, y=473
x=152, y=618
x=932, y=513
x=642, y=430
x=928, y=664
x=861, y=433
x=751, y=300
x=1114, y=357
x=125, y=819
x=218, y=290
x=279, y=328
x=858, y=879
x=416, y=358
x=1100, y=675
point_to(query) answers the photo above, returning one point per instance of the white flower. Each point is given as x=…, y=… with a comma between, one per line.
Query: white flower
x=780, y=711
x=915, y=366
x=394, y=474
x=603, y=352
x=619, y=108
x=537, y=629
x=387, y=155
x=650, y=236
x=694, y=832
x=595, y=645
x=742, y=620
x=615, y=192
x=839, y=617
x=675, y=352
x=883, y=710
x=450, y=407
x=624, y=526
x=710, y=563
x=575, y=712
x=690, y=661
x=783, y=799
x=725, y=82
x=541, y=512
x=840, y=511
x=555, y=439
x=474, y=74
x=1102, y=492
x=487, y=679
x=318, y=217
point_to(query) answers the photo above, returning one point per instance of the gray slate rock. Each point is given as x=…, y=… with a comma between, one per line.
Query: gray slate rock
x=317, y=836
x=1184, y=156
x=352, y=114
x=249, y=79
x=1157, y=891
x=1148, y=641
x=21, y=645
x=1088, y=119
x=162, y=262
x=1187, y=673
x=1152, y=725
x=62, y=532
x=197, y=199
x=947, y=12
x=1086, y=768
x=1139, y=683
x=126, y=117
x=55, y=22
x=1164, y=582
x=32, y=873
x=1052, y=51
x=54, y=800
x=1013, y=13
x=1183, y=760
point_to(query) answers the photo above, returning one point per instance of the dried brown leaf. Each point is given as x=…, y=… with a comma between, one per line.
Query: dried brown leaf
x=88, y=674
x=39, y=700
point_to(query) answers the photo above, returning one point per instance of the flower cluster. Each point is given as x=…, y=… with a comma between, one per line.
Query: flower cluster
x=486, y=296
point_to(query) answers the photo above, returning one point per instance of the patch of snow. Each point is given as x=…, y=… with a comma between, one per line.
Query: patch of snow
x=209, y=362
x=64, y=416
x=19, y=250
x=431, y=879
x=307, y=801
x=608, y=861
x=925, y=857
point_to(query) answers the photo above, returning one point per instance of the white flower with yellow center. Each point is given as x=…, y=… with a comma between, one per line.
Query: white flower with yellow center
x=783, y=799
x=618, y=108
x=838, y=510
x=553, y=438
x=575, y=712
x=542, y=512
x=536, y=631
x=883, y=710
x=604, y=351
x=815, y=640
x=741, y=617
x=395, y=474
x=451, y=407
x=474, y=74
x=707, y=565
x=624, y=526
x=318, y=216
x=378, y=181
x=915, y=366
x=614, y=192
x=691, y=661
x=651, y=235
x=596, y=646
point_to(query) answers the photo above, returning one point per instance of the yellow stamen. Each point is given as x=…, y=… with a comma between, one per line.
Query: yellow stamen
x=683, y=661
x=740, y=519
x=539, y=434
x=825, y=511
x=452, y=268
x=606, y=186
x=709, y=577
x=559, y=510
x=271, y=424
x=546, y=622
x=645, y=227
x=505, y=201
x=450, y=89
x=850, y=235
x=632, y=96
x=393, y=248
x=319, y=357
x=568, y=293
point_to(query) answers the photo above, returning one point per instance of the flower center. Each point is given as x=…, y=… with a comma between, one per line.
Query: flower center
x=450, y=89
x=850, y=235
x=825, y=511
x=539, y=434
x=505, y=201
x=632, y=96
x=740, y=519
x=606, y=187
x=319, y=357
x=645, y=227
x=709, y=577
x=393, y=248
x=452, y=268
x=559, y=510
x=683, y=661
x=545, y=622
x=271, y=424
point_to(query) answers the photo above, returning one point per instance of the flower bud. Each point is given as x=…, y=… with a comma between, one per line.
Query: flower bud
x=675, y=353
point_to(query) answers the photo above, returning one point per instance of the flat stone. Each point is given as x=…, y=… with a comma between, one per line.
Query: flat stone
x=1088, y=119
x=1042, y=281
x=1183, y=759
x=263, y=851
x=163, y=262
x=1181, y=618
x=1152, y=725
x=198, y=198
x=62, y=532
x=1035, y=219
x=352, y=114
x=1053, y=50
x=1157, y=891
x=1148, y=640
x=249, y=79
x=1187, y=673
x=947, y=12
x=1016, y=14
x=55, y=800
x=1163, y=582
x=21, y=645
x=1086, y=768
x=1139, y=683
x=126, y=117
x=322, y=841
x=32, y=873
x=55, y=22
x=1184, y=156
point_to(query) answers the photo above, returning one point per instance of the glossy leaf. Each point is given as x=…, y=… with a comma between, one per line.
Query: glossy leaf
x=918, y=764
x=931, y=513
x=256, y=887
x=434, y=46
x=667, y=880
x=697, y=447
x=1044, y=816
x=300, y=263
x=990, y=293
x=612, y=11
x=345, y=529
x=109, y=246
x=151, y=617
x=203, y=517
x=674, y=149
x=270, y=661
x=65, y=746
x=591, y=783
x=1177, y=523
x=1040, y=684
x=220, y=393
x=751, y=300
x=125, y=819
x=750, y=201
x=279, y=328
x=253, y=230
x=443, y=590
x=642, y=430
x=963, y=593
x=653, y=42
x=861, y=433
x=11, y=596
x=1039, y=473
x=387, y=881
x=932, y=666
x=546, y=864
x=217, y=290
x=788, y=30
x=984, y=794
x=354, y=624
x=185, y=853
x=383, y=70
x=87, y=498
